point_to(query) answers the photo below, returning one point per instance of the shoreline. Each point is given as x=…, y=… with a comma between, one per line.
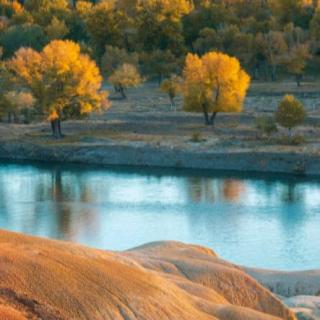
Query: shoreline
x=133, y=154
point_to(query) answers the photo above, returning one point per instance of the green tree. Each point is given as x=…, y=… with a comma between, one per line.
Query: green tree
x=296, y=61
x=18, y=36
x=275, y=48
x=114, y=57
x=57, y=29
x=106, y=26
x=159, y=64
x=290, y=112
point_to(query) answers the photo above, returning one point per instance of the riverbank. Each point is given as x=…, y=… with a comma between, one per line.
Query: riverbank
x=144, y=131
x=189, y=156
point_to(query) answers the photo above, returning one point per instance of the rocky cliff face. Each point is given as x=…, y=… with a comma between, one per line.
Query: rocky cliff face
x=44, y=279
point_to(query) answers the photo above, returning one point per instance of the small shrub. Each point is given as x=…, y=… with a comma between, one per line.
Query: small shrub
x=291, y=141
x=290, y=112
x=297, y=140
x=266, y=125
x=197, y=137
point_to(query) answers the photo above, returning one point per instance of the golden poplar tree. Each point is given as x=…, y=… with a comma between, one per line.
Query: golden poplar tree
x=214, y=83
x=64, y=82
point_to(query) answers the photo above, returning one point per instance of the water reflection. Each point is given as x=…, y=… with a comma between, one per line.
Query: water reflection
x=261, y=222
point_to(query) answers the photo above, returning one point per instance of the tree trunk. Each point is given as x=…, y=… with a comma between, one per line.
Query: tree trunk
x=298, y=79
x=56, y=128
x=213, y=117
x=274, y=73
x=206, y=114
x=173, y=104
x=122, y=91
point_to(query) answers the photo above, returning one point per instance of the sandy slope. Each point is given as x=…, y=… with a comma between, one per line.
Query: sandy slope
x=43, y=279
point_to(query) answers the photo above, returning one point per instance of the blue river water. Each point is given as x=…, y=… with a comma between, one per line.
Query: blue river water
x=259, y=221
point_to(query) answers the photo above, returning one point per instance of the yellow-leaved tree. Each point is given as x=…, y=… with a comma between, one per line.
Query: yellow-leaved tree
x=125, y=76
x=214, y=83
x=172, y=87
x=64, y=82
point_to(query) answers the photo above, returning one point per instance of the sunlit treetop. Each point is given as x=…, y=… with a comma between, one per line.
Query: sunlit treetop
x=37, y=5
x=214, y=83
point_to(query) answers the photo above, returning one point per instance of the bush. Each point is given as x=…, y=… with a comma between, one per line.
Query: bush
x=197, y=137
x=266, y=125
x=291, y=141
x=290, y=112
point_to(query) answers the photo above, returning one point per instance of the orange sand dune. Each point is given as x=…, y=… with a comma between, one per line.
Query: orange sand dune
x=44, y=279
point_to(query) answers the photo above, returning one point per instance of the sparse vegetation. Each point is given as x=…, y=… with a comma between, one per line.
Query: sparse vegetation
x=266, y=125
x=197, y=137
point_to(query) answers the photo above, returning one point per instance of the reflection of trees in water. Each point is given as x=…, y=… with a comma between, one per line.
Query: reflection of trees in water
x=209, y=190
x=290, y=193
x=3, y=200
x=232, y=189
x=66, y=193
x=200, y=189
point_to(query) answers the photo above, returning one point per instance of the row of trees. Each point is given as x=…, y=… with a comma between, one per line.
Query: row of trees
x=60, y=82
x=155, y=35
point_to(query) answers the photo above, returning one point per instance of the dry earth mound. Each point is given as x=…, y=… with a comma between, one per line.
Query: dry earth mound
x=44, y=279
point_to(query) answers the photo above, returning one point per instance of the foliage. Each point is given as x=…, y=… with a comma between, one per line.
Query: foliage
x=296, y=60
x=64, y=82
x=56, y=29
x=290, y=112
x=18, y=36
x=115, y=57
x=172, y=87
x=16, y=102
x=196, y=137
x=105, y=26
x=264, y=36
x=214, y=83
x=159, y=64
x=125, y=76
x=266, y=125
x=9, y=8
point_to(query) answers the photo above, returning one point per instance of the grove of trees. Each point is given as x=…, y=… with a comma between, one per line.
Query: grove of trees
x=59, y=82
x=269, y=37
x=55, y=53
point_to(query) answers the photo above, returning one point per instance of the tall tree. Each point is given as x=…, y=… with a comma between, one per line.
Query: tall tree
x=214, y=83
x=64, y=82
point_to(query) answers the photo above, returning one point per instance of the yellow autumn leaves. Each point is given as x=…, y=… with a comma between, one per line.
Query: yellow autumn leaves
x=214, y=83
x=60, y=78
x=64, y=83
